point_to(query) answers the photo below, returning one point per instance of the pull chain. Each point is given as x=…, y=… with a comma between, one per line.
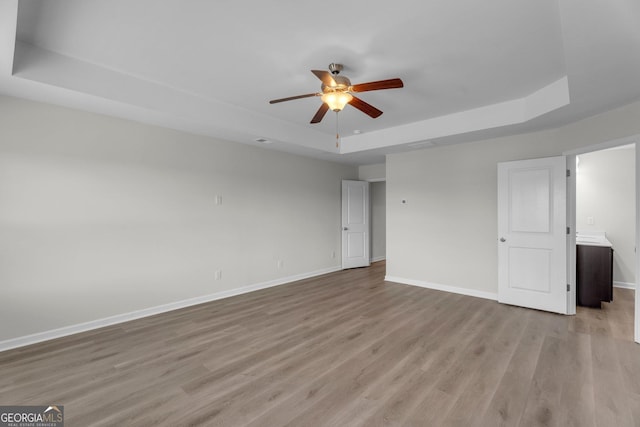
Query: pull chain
x=337, y=132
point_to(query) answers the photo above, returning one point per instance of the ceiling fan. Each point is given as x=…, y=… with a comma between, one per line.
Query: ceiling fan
x=336, y=93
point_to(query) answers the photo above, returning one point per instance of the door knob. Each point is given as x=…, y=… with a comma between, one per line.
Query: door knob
x=502, y=239
x=345, y=228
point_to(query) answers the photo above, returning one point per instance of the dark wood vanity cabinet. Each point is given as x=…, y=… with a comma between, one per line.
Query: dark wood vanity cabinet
x=594, y=275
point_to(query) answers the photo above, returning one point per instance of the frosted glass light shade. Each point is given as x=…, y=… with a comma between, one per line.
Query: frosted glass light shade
x=336, y=100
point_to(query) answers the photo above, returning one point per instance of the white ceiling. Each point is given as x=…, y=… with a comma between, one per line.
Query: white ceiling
x=471, y=69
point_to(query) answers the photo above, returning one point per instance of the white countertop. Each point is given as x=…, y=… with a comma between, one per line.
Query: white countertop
x=592, y=238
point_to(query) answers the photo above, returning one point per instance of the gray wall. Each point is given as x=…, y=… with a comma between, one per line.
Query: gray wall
x=101, y=216
x=446, y=232
x=375, y=172
x=606, y=192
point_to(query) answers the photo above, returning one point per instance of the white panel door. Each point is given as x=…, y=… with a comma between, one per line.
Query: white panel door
x=532, y=266
x=355, y=224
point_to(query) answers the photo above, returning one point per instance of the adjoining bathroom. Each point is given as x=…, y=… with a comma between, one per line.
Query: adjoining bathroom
x=605, y=239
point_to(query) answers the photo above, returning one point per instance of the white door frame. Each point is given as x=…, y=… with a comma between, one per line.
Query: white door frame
x=571, y=220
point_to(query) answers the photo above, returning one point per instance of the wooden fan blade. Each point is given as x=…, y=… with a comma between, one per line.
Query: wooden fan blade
x=320, y=113
x=291, y=98
x=381, y=84
x=365, y=107
x=326, y=77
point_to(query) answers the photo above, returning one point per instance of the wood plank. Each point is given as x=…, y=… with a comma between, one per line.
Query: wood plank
x=543, y=402
x=510, y=397
x=612, y=400
x=577, y=398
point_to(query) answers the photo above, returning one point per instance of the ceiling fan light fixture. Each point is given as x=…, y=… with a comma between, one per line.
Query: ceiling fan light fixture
x=336, y=90
x=336, y=100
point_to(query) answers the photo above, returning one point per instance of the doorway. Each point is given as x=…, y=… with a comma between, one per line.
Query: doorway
x=378, y=192
x=572, y=221
x=605, y=215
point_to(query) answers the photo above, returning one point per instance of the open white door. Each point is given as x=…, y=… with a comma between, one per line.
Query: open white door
x=532, y=247
x=355, y=224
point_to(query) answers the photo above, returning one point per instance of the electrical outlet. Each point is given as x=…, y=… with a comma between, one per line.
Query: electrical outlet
x=590, y=220
x=218, y=275
x=218, y=200
x=280, y=264
x=333, y=254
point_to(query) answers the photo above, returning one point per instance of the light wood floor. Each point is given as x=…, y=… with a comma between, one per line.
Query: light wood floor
x=339, y=350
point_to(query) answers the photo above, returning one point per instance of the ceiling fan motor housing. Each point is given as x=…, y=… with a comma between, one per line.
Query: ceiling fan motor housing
x=342, y=84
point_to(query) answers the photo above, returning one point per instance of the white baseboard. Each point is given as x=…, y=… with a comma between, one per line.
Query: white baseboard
x=624, y=285
x=125, y=317
x=446, y=288
x=378, y=258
